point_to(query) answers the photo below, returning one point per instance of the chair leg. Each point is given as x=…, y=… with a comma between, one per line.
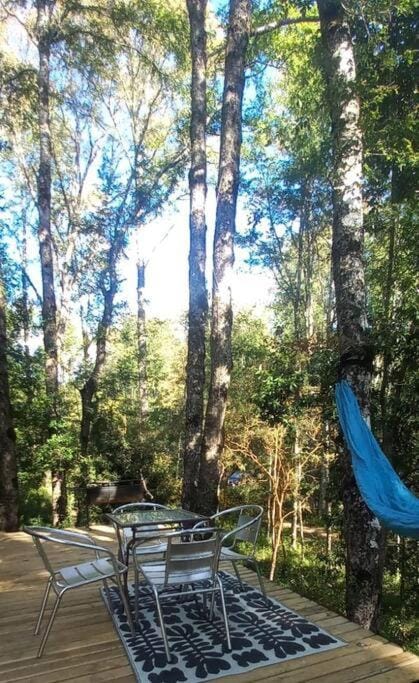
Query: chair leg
x=211, y=614
x=162, y=626
x=125, y=602
x=43, y=605
x=261, y=584
x=49, y=625
x=236, y=571
x=196, y=595
x=125, y=577
x=223, y=606
x=135, y=593
x=108, y=594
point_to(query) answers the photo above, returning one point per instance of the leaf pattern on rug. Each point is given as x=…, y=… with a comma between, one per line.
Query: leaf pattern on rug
x=262, y=632
x=174, y=675
x=149, y=648
x=318, y=640
x=250, y=657
x=267, y=634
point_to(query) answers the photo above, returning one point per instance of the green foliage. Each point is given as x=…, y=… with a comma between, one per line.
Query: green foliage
x=320, y=576
x=119, y=125
x=122, y=447
x=385, y=46
x=35, y=507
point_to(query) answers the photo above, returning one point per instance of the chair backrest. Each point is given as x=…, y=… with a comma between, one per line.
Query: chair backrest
x=39, y=536
x=247, y=526
x=192, y=557
x=140, y=506
x=124, y=535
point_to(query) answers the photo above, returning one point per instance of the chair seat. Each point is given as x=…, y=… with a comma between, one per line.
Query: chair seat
x=155, y=573
x=228, y=554
x=88, y=571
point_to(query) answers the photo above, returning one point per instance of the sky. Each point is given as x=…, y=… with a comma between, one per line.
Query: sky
x=164, y=243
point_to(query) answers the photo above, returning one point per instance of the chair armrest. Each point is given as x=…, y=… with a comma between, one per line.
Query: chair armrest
x=97, y=549
x=75, y=534
x=201, y=524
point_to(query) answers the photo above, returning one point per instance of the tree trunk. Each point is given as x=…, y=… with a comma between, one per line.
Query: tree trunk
x=141, y=345
x=85, y=333
x=296, y=491
x=269, y=512
x=66, y=282
x=277, y=528
x=88, y=391
x=9, y=511
x=301, y=526
x=364, y=538
x=25, y=310
x=329, y=531
x=49, y=306
x=330, y=308
x=308, y=266
x=223, y=258
x=299, y=273
x=388, y=294
x=324, y=470
x=301, y=328
x=198, y=299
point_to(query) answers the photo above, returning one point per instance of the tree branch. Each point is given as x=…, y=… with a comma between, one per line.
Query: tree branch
x=273, y=25
x=29, y=281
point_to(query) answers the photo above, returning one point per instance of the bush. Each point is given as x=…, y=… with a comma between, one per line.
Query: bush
x=35, y=506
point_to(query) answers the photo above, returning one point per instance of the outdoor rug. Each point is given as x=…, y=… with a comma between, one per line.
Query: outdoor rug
x=262, y=631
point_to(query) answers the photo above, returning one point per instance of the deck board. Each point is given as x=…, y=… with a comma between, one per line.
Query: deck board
x=84, y=648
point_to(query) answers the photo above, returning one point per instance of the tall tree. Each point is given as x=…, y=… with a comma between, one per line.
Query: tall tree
x=49, y=306
x=198, y=299
x=44, y=179
x=141, y=344
x=9, y=512
x=223, y=254
x=108, y=287
x=112, y=226
x=364, y=538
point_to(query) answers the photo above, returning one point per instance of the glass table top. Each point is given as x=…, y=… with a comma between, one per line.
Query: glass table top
x=137, y=518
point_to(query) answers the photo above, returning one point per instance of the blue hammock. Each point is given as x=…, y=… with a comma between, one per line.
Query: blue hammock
x=380, y=486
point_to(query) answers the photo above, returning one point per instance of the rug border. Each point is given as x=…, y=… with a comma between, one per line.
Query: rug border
x=340, y=641
x=121, y=640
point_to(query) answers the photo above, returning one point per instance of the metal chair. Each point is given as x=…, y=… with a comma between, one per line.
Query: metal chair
x=189, y=562
x=61, y=579
x=246, y=529
x=153, y=533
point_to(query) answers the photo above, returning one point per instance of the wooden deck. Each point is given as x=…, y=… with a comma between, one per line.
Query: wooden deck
x=83, y=645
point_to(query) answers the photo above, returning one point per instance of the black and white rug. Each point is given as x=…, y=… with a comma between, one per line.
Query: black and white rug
x=262, y=632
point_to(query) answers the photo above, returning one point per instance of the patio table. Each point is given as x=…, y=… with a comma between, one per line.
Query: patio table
x=147, y=524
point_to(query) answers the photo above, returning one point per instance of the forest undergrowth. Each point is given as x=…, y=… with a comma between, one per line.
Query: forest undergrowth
x=320, y=576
